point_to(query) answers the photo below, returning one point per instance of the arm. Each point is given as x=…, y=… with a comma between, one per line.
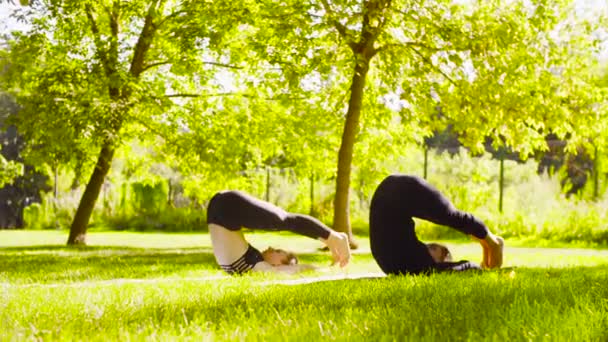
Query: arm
x=309, y=226
x=254, y=213
x=458, y=266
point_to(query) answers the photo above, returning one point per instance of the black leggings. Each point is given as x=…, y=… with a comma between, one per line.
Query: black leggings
x=234, y=210
x=393, y=241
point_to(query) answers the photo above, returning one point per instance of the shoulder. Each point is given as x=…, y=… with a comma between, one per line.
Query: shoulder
x=262, y=266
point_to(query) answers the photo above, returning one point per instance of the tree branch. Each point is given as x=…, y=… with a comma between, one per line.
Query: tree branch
x=153, y=65
x=314, y=15
x=223, y=65
x=182, y=95
x=170, y=16
x=405, y=13
x=280, y=16
x=384, y=20
x=442, y=30
x=407, y=44
x=113, y=53
x=430, y=63
x=190, y=95
x=282, y=13
x=113, y=14
x=145, y=39
x=342, y=30
x=97, y=39
x=146, y=125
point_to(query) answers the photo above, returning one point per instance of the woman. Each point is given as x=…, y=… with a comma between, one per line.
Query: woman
x=229, y=211
x=393, y=241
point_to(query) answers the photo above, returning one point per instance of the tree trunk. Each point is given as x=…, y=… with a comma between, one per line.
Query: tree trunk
x=595, y=173
x=78, y=230
x=345, y=155
x=110, y=60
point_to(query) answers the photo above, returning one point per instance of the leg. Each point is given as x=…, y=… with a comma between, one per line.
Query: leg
x=392, y=235
x=235, y=209
x=414, y=197
x=396, y=249
x=433, y=206
x=426, y=202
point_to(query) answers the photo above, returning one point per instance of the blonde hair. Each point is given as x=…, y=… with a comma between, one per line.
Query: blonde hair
x=445, y=252
x=291, y=258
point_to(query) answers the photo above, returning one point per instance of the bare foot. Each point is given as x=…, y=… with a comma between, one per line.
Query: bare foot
x=485, y=252
x=501, y=243
x=486, y=256
x=339, y=247
x=493, y=246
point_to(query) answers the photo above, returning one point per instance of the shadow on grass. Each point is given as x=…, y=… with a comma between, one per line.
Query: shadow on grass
x=394, y=295
x=76, y=249
x=599, y=272
x=448, y=305
x=59, y=263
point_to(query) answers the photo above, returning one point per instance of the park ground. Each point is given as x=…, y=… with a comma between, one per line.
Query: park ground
x=158, y=286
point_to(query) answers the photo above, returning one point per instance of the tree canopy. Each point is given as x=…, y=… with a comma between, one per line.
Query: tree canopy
x=222, y=87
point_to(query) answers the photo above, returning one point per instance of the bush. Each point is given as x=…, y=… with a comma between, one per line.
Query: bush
x=534, y=206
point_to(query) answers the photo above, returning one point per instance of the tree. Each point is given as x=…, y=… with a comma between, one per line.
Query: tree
x=301, y=75
x=20, y=183
x=91, y=74
x=9, y=169
x=478, y=60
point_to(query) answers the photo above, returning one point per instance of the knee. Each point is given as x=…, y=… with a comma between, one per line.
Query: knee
x=218, y=204
x=221, y=197
x=288, y=220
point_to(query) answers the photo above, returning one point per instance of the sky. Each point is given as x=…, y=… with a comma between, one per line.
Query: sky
x=6, y=23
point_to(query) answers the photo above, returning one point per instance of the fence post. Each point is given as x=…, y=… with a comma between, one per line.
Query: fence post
x=312, y=193
x=596, y=171
x=501, y=182
x=169, y=193
x=123, y=198
x=267, y=184
x=55, y=180
x=55, y=196
x=426, y=160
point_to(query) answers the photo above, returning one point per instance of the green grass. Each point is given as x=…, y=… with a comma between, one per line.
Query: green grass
x=143, y=286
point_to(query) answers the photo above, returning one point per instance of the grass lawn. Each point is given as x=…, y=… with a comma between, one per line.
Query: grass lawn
x=145, y=286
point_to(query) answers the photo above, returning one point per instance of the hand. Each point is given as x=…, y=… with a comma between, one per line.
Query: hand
x=340, y=248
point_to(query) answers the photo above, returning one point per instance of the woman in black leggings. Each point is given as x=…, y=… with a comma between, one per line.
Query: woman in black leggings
x=394, y=244
x=229, y=211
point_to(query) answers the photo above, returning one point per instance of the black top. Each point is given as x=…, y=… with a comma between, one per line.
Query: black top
x=245, y=263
